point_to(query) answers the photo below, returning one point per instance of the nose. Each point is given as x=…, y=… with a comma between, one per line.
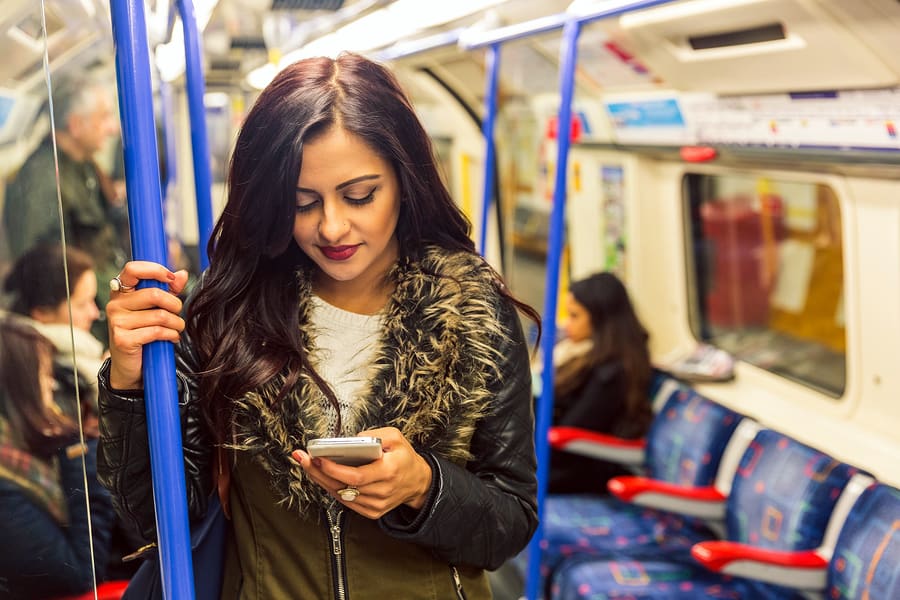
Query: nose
x=333, y=224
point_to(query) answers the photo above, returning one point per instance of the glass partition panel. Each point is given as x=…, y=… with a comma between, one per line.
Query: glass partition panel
x=768, y=274
x=527, y=146
x=525, y=135
x=63, y=236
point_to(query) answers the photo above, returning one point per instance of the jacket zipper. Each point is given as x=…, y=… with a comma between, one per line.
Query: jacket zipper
x=338, y=573
x=457, y=583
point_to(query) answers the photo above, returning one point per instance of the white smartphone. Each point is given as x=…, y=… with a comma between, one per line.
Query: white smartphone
x=350, y=451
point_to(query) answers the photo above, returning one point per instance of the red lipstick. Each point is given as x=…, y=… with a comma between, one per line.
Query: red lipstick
x=338, y=252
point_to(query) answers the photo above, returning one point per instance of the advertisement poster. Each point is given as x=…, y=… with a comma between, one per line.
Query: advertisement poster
x=613, y=234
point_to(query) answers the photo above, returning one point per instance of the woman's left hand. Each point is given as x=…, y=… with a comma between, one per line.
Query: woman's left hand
x=400, y=476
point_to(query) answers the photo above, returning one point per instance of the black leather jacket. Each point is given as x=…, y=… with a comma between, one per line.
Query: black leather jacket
x=480, y=514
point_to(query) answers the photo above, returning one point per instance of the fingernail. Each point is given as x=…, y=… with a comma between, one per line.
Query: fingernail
x=317, y=462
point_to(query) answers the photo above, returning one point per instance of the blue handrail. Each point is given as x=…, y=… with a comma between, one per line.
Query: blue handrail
x=551, y=293
x=584, y=12
x=421, y=45
x=473, y=38
x=148, y=242
x=196, y=86
x=487, y=130
x=569, y=57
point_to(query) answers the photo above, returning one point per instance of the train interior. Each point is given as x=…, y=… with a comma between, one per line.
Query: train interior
x=735, y=162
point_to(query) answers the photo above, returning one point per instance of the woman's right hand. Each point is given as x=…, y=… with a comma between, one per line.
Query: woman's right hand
x=140, y=316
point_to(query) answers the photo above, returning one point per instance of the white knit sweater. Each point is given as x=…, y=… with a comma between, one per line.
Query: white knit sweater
x=345, y=345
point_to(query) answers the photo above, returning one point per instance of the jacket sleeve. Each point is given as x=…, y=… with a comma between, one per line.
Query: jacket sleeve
x=483, y=514
x=123, y=461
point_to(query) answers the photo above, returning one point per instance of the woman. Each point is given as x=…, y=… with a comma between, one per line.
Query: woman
x=344, y=297
x=603, y=373
x=46, y=301
x=46, y=532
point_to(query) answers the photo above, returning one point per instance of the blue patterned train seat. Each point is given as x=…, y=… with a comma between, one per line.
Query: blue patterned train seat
x=866, y=559
x=781, y=498
x=687, y=439
x=685, y=444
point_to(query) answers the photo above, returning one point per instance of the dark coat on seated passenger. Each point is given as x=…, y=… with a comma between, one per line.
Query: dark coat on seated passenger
x=599, y=405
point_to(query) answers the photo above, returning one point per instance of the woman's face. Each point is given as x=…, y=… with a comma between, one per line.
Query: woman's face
x=84, y=307
x=348, y=204
x=578, y=324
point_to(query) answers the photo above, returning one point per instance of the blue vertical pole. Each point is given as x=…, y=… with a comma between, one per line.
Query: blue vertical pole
x=148, y=242
x=196, y=86
x=554, y=251
x=487, y=129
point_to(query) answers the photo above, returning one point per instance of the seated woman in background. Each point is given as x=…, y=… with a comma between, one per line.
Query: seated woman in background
x=602, y=377
x=37, y=286
x=42, y=490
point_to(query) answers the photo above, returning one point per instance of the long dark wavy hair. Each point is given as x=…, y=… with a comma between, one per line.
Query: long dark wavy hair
x=244, y=319
x=38, y=426
x=617, y=335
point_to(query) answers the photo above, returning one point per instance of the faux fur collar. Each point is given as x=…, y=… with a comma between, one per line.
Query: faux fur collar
x=433, y=376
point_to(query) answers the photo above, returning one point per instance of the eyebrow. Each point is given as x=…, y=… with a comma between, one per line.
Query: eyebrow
x=341, y=186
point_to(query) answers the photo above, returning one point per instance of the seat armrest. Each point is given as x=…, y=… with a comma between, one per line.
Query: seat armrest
x=704, y=502
x=798, y=569
x=108, y=590
x=597, y=445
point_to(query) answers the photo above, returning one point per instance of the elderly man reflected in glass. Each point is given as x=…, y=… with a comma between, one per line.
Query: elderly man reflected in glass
x=93, y=213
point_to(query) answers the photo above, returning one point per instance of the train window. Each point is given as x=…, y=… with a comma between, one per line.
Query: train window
x=767, y=258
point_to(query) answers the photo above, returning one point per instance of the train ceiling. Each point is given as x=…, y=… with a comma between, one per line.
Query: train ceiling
x=241, y=36
x=238, y=35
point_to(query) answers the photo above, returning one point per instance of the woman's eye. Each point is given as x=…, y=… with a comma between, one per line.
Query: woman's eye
x=305, y=208
x=364, y=200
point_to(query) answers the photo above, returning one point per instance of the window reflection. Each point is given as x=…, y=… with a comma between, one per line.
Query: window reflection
x=61, y=239
x=768, y=259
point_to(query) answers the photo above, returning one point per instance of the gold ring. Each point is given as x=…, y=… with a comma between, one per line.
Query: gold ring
x=116, y=285
x=348, y=494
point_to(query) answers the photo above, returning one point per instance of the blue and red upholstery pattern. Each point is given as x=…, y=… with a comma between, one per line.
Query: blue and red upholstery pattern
x=687, y=439
x=781, y=498
x=582, y=579
x=866, y=559
x=603, y=527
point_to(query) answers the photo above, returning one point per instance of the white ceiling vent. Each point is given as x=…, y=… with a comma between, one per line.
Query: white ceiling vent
x=749, y=46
